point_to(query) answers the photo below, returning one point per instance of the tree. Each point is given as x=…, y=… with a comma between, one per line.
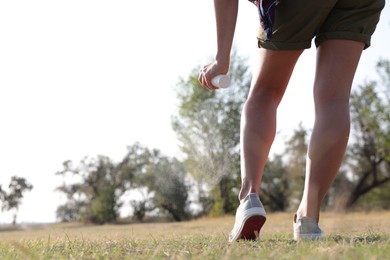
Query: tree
x=13, y=198
x=166, y=178
x=207, y=125
x=140, y=208
x=95, y=193
x=296, y=148
x=98, y=185
x=369, y=153
x=275, y=186
x=72, y=210
x=284, y=174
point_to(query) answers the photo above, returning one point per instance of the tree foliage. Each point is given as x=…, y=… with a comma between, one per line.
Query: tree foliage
x=275, y=186
x=284, y=174
x=370, y=152
x=100, y=182
x=166, y=179
x=98, y=185
x=13, y=198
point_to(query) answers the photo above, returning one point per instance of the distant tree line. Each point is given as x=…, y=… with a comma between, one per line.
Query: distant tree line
x=100, y=183
x=206, y=181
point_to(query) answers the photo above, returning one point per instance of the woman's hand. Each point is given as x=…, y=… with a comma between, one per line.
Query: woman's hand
x=208, y=72
x=226, y=16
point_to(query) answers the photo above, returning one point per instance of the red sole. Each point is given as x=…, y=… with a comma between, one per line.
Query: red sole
x=252, y=226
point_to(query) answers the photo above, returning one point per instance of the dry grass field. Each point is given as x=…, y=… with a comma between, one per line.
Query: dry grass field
x=348, y=236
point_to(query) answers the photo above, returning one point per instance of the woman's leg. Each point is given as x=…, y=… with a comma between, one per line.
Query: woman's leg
x=337, y=61
x=258, y=120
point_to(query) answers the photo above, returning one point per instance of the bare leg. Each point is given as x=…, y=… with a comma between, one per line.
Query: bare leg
x=337, y=61
x=258, y=121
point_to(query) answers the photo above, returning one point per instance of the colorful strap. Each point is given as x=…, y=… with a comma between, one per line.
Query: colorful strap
x=266, y=14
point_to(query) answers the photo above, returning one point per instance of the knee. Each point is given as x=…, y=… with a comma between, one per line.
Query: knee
x=326, y=97
x=264, y=98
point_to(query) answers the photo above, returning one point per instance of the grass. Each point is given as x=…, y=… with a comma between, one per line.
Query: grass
x=350, y=236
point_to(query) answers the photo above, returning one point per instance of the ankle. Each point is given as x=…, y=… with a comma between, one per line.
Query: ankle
x=244, y=193
x=303, y=212
x=247, y=187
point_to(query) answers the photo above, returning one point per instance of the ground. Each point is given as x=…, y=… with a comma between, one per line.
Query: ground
x=347, y=236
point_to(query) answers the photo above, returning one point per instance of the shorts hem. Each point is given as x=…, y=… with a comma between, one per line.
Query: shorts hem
x=280, y=46
x=366, y=39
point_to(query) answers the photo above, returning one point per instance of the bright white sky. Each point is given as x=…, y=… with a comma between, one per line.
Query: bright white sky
x=87, y=77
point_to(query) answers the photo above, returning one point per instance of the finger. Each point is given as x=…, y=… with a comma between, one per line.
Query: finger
x=205, y=76
x=201, y=76
x=202, y=80
x=209, y=83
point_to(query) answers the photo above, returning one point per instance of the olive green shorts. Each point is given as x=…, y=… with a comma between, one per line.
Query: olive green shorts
x=297, y=22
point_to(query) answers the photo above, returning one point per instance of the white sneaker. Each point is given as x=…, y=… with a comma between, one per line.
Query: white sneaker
x=306, y=228
x=250, y=218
